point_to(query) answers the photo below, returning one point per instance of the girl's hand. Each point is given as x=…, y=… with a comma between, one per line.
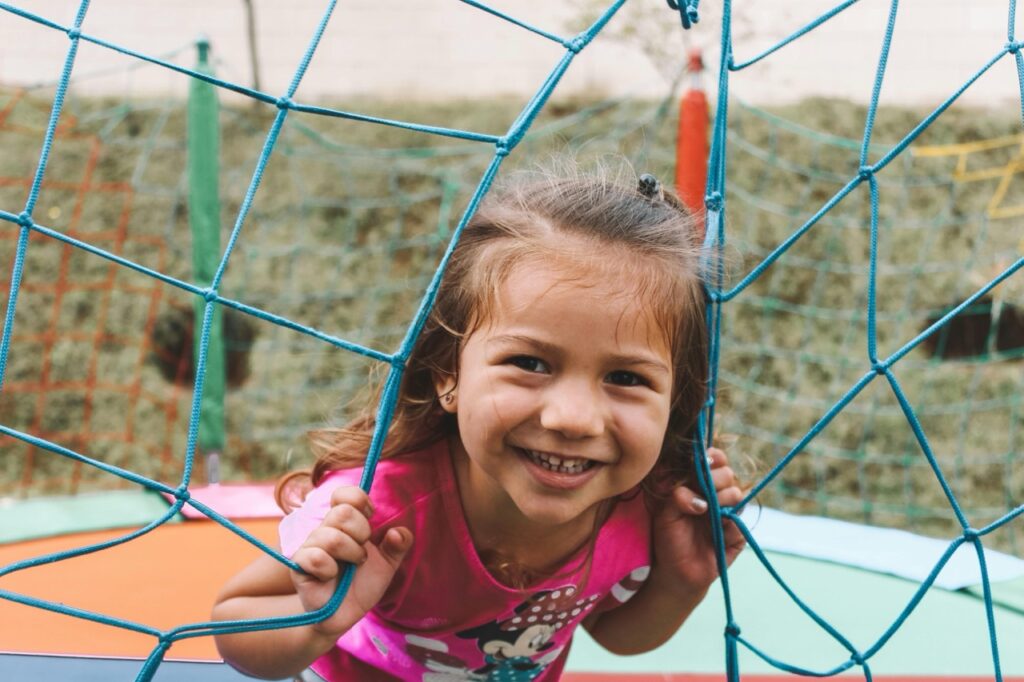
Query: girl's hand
x=344, y=537
x=684, y=552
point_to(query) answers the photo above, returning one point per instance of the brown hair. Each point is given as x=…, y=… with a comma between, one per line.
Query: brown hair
x=650, y=238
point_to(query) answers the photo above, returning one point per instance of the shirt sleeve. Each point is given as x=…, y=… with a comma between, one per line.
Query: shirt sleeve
x=624, y=590
x=296, y=526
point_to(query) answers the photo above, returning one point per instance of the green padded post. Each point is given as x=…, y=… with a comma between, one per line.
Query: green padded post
x=204, y=219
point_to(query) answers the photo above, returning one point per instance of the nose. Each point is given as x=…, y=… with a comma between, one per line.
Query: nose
x=573, y=409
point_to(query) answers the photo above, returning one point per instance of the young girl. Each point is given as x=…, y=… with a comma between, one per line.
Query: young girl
x=538, y=472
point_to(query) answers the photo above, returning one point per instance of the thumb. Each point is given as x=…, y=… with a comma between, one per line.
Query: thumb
x=375, y=574
x=395, y=545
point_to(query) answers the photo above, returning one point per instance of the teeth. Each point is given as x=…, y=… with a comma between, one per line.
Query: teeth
x=562, y=465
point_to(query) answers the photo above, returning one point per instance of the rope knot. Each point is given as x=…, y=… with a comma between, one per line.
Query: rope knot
x=24, y=219
x=713, y=201
x=687, y=11
x=502, y=147
x=865, y=172
x=1013, y=46
x=732, y=630
x=879, y=367
x=858, y=658
x=74, y=33
x=576, y=44
x=971, y=534
x=182, y=494
x=210, y=295
x=283, y=103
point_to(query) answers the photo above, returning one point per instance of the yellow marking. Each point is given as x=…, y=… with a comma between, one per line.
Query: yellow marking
x=941, y=150
x=1005, y=174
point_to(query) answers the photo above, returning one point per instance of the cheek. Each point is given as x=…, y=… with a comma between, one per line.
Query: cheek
x=644, y=423
x=642, y=433
x=500, y=407
x=481, y=421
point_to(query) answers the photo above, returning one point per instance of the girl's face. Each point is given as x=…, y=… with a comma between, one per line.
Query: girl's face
x=563, y=395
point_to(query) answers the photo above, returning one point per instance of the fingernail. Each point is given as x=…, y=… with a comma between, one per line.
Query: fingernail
x=711, y=461
x=700, y=504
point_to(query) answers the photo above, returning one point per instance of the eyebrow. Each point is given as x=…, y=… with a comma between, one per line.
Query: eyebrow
x=545, y=347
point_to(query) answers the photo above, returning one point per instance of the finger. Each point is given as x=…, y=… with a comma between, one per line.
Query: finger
x=354, y=496
x=689, y=502
x=716, y=457
x=723, y=477
x=337, y=544
x=730, y=497
x=733, y=536
x=316, y=563
x=349, y=520
x=734, y=540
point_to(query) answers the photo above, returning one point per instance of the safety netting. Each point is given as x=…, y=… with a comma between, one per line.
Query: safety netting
x=863, y=314
x=795, y=339
x=105, y=363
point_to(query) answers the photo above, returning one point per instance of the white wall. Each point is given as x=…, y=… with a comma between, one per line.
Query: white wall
x=937, y=45
x=444, y=48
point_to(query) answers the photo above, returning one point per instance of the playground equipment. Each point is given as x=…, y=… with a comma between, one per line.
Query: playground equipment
x=833, y=436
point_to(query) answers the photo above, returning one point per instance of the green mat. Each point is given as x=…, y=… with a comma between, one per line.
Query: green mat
x=41, y=517
x=946, y=634
x=1008, y=594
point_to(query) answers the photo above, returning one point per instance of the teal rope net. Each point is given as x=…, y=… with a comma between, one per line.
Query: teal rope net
x=377, y=206
x=794, y=336
x=263, y=244
x=394, y=362
x=864, y=172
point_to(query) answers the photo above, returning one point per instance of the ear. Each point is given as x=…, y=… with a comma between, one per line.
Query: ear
x=447, y=386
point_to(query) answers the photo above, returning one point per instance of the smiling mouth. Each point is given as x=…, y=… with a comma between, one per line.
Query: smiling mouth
x=559, y=465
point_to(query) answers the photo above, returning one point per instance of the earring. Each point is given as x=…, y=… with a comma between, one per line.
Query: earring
x=448, y=398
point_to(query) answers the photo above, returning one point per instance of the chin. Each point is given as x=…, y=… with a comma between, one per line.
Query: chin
x=553, y=514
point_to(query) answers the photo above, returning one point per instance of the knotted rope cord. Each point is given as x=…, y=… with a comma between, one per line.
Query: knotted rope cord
x=503, y=146
x=717, y=294
x=793, y=335
x=376, y=220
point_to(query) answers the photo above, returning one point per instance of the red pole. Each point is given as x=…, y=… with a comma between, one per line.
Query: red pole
x=692, y=139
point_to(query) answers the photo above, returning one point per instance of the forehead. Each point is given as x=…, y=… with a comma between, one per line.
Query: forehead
x=561, y=259
x=541, y=276
x=573, y=295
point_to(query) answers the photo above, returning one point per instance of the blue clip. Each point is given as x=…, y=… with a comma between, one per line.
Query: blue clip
x=687, y=11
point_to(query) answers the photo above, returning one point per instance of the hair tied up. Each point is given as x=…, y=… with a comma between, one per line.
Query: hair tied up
x=649, y=186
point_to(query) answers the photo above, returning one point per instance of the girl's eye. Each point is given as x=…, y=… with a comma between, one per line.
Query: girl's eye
x=528, y=363
x=624, y=378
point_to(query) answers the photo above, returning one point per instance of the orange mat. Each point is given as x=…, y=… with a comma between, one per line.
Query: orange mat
x=164, y=579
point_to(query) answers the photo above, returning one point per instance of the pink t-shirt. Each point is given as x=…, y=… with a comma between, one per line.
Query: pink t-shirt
x=444, y=617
